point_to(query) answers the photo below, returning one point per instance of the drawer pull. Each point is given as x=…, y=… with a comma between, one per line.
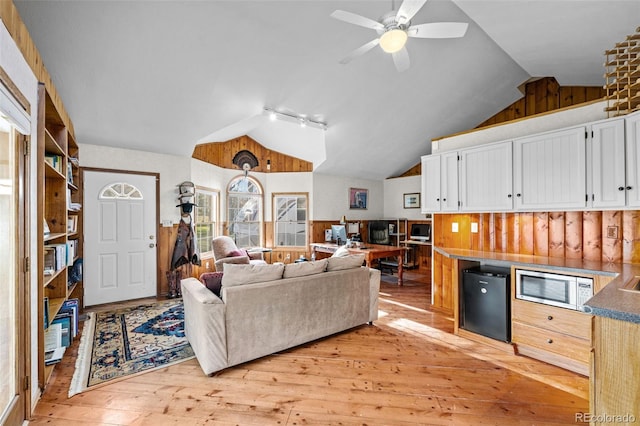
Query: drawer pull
x=550, y=341
x=549, y=317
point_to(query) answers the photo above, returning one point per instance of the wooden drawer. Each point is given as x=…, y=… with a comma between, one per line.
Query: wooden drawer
x=573, y=323
x=551, y=341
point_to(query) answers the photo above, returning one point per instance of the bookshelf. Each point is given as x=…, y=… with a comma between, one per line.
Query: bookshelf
x=59, y=246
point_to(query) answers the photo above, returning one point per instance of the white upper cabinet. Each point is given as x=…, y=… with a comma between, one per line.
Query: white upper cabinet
x=609, y=183
x=440, y=182
x=633, y=159
x=486, y=178
x=550, y=170
x=430, y=183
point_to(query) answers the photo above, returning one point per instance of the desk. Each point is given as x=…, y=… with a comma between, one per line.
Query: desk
x=371, y=252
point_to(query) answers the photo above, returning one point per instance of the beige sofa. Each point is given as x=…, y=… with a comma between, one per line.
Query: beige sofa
x=263, y=309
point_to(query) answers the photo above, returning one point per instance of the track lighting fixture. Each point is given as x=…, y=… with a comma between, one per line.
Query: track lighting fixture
x=302, y=120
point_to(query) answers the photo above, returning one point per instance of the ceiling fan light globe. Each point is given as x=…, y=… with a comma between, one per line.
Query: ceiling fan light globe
x=393, y=40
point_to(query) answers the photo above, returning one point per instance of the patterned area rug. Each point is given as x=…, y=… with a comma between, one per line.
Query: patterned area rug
x=128, y=341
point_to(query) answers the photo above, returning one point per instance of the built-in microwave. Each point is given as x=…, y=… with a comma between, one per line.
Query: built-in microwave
x=564, y=291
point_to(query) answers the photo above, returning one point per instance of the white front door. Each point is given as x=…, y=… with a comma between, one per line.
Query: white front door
x=119, y=237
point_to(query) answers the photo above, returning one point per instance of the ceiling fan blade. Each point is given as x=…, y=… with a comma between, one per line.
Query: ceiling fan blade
x=408, y=9
x=360, y=51
x=438, y=30
x=401, y=59
x=352, y=18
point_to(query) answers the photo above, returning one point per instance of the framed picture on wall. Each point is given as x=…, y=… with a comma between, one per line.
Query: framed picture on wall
x=412, y=200
x=358, y=198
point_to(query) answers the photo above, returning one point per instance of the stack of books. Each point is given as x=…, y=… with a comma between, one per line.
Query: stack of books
x=62, y=330
x=54, y=161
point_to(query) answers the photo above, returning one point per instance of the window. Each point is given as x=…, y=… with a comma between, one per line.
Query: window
x=290, y=219
x=244, y=211
x=206, y=219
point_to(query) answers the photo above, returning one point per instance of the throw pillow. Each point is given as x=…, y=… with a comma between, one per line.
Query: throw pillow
x=248, y=274
x=293, y=270
x=213, y=281
x=341, y=252
x=236, y=253
x=347, y=262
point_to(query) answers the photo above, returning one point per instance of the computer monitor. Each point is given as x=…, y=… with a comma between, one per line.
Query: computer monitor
x=339, y=232
x=420, y=232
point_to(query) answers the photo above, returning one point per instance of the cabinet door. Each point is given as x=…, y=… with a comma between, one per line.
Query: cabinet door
x=608, y=164
x=430, y=183
x=633, y=159
x=551, y=171
x=486, y=179
x=449, y=182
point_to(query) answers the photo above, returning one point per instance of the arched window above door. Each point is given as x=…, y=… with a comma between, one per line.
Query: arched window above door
x=120, y=191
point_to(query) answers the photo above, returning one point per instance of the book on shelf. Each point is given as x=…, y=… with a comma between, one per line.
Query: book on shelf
x=54, y=161
x=55, y=256
x=71, y=307
x=46, y=312
x=64, y=319
x=53, y=348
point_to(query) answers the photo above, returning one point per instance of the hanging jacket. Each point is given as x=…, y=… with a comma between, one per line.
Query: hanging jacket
x=185, y=250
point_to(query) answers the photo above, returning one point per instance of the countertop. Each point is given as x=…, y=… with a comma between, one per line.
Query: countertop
x=610, y=302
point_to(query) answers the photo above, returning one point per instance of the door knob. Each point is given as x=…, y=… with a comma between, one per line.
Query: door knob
x=151, y=245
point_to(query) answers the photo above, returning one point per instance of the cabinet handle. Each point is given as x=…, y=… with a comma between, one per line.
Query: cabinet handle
x=444, y=199
x=629, y=188
x=518, y=195
x=509, y=196
x=621, y=188
x=550, y=341
x=549, y=317
x=437, y=199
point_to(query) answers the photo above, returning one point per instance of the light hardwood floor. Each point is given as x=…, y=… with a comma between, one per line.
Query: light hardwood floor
x=406, y=369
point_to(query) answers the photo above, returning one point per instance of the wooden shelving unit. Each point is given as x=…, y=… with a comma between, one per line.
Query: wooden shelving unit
x=58, y=185
x=622, y=76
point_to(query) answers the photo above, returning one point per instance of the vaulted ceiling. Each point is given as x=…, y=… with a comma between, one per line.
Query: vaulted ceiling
x=163, y=76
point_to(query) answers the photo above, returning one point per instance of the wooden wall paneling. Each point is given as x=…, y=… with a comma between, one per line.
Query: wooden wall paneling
x=556, y=224
x=513, y=239
x=436, y=285
x=500, y=232
x=612, y=236
x=221, y=154
x=446, y=289
x=436, y=230
x=541, y=234
x=592, y=235
x=573, y=235
x=488, y=232
x=475, y=238
x=526, y=233
x=631, y=236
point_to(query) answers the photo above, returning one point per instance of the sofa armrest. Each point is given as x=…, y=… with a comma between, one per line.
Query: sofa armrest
x=374, y=291
x=235, y=259
x=204, y=325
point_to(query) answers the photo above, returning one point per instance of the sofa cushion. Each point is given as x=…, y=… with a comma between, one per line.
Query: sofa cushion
x=213, y=281
x=341, y=252
x=301, y=269
x=248, y=274
x=346, y=262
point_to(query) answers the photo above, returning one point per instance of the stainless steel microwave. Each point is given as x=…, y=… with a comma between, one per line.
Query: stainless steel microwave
x=564, y=291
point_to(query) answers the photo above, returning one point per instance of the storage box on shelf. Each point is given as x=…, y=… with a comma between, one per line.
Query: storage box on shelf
x=58, y=245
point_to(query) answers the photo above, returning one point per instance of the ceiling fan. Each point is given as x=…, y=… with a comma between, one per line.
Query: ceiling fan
x=394, y=28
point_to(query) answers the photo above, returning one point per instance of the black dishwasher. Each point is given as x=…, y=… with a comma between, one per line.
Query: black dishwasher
x=485, y=303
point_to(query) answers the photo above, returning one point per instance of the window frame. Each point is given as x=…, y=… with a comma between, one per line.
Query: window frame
x=215, y=195
x=259, y=196
x=274, y=205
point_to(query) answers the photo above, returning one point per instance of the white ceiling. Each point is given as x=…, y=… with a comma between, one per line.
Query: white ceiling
x=162, y=76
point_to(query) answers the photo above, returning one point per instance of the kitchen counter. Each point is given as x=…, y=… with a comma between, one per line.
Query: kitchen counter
x=610, y=302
